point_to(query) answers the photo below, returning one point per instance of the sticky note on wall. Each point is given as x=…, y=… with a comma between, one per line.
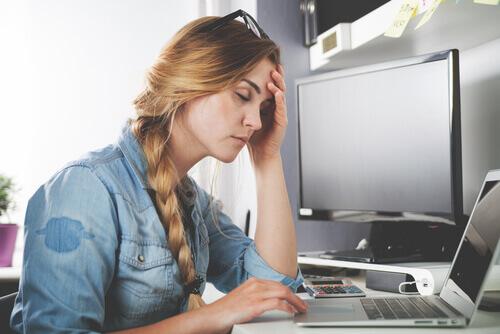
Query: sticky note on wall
x=488, y=2
x=406, y=12
x=423, y=5
x=428, y=14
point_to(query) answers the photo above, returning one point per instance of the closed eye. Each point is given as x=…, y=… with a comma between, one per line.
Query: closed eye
x=244, y=98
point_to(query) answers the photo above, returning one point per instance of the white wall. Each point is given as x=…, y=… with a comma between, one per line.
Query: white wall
x=69, y=72
x=223, y=7
x=480, y=106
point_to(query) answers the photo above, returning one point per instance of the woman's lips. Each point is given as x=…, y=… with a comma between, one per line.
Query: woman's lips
x=240, y=140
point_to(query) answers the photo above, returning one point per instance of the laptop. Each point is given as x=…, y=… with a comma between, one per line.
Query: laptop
x=461, y=294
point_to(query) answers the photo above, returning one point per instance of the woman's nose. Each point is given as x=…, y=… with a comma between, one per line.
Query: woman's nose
x=252, y=119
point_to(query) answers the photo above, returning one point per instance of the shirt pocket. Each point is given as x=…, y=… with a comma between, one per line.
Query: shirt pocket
x=144, y=279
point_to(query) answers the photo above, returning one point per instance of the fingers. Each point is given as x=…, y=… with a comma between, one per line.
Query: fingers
x=277, y=92
x=272, y=290
x=278, y=76
x=278, y=88
x=254, y=297
x=273, y=88
x=284, y=293
x=273, y=304
x=279, y=100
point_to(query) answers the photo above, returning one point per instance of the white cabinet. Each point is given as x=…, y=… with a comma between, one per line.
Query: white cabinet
x=461, y=25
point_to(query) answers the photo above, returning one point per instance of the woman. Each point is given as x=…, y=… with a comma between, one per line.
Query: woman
x=124, y=240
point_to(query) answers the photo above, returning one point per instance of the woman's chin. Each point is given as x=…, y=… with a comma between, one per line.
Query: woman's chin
x=226, y=157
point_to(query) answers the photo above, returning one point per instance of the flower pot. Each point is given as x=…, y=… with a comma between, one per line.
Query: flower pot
x=8, y=234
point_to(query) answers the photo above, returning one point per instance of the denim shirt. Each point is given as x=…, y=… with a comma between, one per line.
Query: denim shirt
x=96, y=255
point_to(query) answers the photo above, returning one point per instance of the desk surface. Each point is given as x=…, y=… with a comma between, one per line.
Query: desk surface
x=280, y=322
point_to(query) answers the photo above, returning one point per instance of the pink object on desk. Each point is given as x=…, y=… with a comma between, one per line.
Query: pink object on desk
x=8, y=234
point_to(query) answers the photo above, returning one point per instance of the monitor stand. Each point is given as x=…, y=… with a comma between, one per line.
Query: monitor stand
x=404, y=241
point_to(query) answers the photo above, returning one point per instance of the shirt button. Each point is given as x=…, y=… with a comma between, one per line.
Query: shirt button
x=140, y=258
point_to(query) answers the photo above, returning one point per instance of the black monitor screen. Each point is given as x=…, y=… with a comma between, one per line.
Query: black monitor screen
x=378, y=141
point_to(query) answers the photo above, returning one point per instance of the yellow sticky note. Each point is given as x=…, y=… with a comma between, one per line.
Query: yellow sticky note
x=406, y=12
x=488, y=2
x=428, y=13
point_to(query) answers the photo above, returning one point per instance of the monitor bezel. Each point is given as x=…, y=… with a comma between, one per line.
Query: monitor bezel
x=457, y=215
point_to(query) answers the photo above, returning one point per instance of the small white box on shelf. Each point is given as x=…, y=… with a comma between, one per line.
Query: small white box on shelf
x=329, y=43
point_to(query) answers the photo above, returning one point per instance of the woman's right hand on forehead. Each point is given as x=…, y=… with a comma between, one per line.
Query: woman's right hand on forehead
x=251, y=299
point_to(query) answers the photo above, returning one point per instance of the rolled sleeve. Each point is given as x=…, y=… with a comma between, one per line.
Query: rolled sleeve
x=256, y=266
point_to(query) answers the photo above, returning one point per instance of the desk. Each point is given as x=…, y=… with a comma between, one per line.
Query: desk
x=280, y=322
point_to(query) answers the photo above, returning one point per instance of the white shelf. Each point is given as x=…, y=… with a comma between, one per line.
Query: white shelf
x=418, y=269
x=312, y=258
x=453, y=26
x=429, y=275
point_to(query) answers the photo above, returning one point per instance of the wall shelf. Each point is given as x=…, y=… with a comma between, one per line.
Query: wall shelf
x=453, y=26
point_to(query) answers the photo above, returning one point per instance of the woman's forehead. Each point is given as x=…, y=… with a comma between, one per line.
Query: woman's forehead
x=259, y=77
x=262, y=70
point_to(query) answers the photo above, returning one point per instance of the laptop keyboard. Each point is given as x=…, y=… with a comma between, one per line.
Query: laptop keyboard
x=401, y=308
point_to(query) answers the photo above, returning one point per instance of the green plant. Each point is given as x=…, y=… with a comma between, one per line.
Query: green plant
x=6, y=191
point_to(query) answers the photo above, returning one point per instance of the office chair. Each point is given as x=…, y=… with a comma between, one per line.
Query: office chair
x=6, y=306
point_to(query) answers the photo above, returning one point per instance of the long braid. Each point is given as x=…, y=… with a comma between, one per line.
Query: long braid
x=162, y=177
x=193, y=64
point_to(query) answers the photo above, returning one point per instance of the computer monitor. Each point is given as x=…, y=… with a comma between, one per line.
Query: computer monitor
x=382, y=142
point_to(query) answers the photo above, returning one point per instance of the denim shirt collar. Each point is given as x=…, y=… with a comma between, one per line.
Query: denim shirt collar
x=134, y=154
x=132, y=150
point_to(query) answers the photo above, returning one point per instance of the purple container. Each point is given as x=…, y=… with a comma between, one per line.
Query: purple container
x=8, y=234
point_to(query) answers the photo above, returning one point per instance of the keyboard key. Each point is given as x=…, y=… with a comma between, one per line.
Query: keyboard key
x=371, y=309
x=398, y=309
x=384, y=309
x=428, y=311
x=401, y=308
x=411, y=308
x=435, y=308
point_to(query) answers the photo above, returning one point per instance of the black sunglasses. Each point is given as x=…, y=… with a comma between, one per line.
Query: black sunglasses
x=249, y=21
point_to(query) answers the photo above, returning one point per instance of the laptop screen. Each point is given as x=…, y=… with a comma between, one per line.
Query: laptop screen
x=479, y=244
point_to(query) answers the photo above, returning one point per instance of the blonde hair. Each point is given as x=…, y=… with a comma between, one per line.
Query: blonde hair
x=194, y=63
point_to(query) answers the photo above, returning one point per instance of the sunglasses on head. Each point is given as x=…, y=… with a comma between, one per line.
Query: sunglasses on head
x=249, y=21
